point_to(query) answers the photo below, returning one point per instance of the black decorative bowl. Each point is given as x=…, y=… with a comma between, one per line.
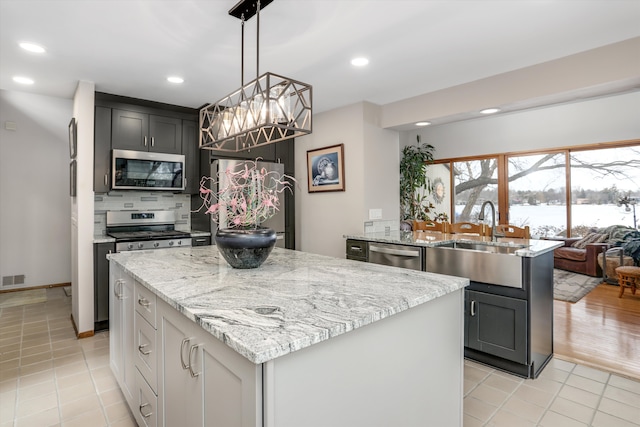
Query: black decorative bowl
x=245, y=248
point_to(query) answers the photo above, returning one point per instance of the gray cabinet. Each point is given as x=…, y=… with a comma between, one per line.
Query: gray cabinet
x=140, y=125
x=357, y=250
x=201, y=241
x=132, y=130
x=496, y=325
x=509, y=328
x=102, y=150
x=101, y=284
x=191, y=153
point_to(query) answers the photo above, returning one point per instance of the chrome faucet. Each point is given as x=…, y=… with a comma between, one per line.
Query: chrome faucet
x=494, y=236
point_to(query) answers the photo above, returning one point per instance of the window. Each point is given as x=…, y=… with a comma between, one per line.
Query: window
x=475, y=181
x=532, y=188
x=537, y=193
x=599, y=180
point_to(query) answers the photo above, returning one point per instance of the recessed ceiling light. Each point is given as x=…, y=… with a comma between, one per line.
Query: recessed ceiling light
x=175, y=79
x=32, y=47
x=23, y=80
x=423, y=123
x=490, y=110
x=359, y=62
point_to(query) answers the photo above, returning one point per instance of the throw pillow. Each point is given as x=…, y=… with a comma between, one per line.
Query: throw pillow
x=590, y=238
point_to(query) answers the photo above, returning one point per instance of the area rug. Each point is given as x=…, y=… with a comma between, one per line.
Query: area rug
x=568, y=286
x=13, y=299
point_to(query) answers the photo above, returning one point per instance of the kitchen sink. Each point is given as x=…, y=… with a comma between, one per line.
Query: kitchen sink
x=479, y=262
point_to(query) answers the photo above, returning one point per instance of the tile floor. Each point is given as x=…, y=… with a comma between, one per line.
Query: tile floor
x=49, y=378
x=564, y=395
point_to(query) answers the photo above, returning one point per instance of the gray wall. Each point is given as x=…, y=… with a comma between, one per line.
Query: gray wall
x=599, y=120
x=35, y=212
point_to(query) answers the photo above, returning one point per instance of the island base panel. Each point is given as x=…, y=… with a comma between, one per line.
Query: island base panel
x=405, y=370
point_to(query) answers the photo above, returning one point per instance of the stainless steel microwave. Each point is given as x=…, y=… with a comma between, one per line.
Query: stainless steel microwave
x=141, y=170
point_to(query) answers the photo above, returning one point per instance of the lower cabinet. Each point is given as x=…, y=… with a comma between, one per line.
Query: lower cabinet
x=202, y=382
x=496, y=325
x=121, y=330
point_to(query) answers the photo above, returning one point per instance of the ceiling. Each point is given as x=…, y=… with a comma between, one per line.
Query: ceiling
x=130, y=47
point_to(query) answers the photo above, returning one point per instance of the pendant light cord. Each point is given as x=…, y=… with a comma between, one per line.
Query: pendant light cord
x=242, y=53
x=258, y=39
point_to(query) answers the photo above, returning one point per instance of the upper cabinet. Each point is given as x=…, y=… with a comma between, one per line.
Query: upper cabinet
x=191, y=152
x=140, y=125
x=131, y=130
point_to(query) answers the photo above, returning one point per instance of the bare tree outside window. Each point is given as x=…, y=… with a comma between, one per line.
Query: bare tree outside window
x=600, y=179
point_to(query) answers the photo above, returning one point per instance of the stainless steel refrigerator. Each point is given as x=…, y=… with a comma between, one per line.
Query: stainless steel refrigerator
x=277, y=222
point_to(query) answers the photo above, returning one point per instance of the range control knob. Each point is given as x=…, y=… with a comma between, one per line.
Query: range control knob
x=156, y=244
x=179, y=242
x=130, y=246
x=140, y=245
x=170, y=242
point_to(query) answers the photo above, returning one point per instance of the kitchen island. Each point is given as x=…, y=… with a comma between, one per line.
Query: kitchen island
x=304, y=340
x=509, y=302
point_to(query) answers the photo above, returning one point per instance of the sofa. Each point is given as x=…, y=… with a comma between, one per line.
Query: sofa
x=579, y=260
x=580, y=254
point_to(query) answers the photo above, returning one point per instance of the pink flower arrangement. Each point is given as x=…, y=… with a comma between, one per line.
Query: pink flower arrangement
x=246, y=197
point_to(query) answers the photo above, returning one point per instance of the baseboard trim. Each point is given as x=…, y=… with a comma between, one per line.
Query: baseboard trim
x=80, y=335
x=55, y=285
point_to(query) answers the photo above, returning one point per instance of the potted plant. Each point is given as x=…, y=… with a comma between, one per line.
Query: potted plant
x=413, y=175
x=239, y=199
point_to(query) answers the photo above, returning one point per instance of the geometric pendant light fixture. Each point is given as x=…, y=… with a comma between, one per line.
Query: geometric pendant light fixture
x=269, y=109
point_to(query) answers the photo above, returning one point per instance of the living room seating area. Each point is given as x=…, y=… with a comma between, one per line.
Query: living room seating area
x=580, y=254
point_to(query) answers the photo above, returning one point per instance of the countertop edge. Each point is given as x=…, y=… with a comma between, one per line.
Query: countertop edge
x=427, y=239
x=452, y=284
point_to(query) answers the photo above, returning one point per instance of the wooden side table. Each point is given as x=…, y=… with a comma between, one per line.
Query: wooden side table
x=628, y=277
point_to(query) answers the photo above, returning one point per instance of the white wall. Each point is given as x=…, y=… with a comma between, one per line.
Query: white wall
x=35, y=230
x=82, y=211
x=599, y=120
x=371, y=178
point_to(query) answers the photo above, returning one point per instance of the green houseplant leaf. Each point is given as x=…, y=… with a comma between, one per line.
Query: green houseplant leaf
x=413, y=175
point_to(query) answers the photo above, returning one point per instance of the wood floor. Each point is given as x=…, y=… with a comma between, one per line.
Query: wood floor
x=601, y=330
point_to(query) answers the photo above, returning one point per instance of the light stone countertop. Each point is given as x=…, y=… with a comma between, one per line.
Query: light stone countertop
x=101, y=238
x=294, y=300
x=530, y=247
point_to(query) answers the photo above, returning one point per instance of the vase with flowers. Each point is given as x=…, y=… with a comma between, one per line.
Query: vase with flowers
x=239, y=199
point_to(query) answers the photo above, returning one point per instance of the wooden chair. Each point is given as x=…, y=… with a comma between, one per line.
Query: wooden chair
x=469, y=228
x=507, y=230
x=442, y=227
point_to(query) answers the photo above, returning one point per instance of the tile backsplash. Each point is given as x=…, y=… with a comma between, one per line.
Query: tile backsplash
x=141, y=201
x=381, y=226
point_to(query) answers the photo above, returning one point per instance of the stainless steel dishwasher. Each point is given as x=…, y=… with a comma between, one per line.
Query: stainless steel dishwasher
x=411, y=257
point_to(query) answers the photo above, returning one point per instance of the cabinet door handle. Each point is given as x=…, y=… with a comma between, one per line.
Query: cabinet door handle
x=141, y=350
x=143, y=302
x=106, y=179
x=191, y=352
x=144, y=405
x=116, y=292
x=152, y=141
x=145, y=141
x=473, y=308
x=182, y=346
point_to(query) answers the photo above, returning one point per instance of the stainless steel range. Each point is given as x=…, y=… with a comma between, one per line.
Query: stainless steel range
x=136, y=231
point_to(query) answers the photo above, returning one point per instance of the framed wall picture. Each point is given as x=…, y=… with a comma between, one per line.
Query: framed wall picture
x=72, y=178
x=73, y=138
x=325, y=169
